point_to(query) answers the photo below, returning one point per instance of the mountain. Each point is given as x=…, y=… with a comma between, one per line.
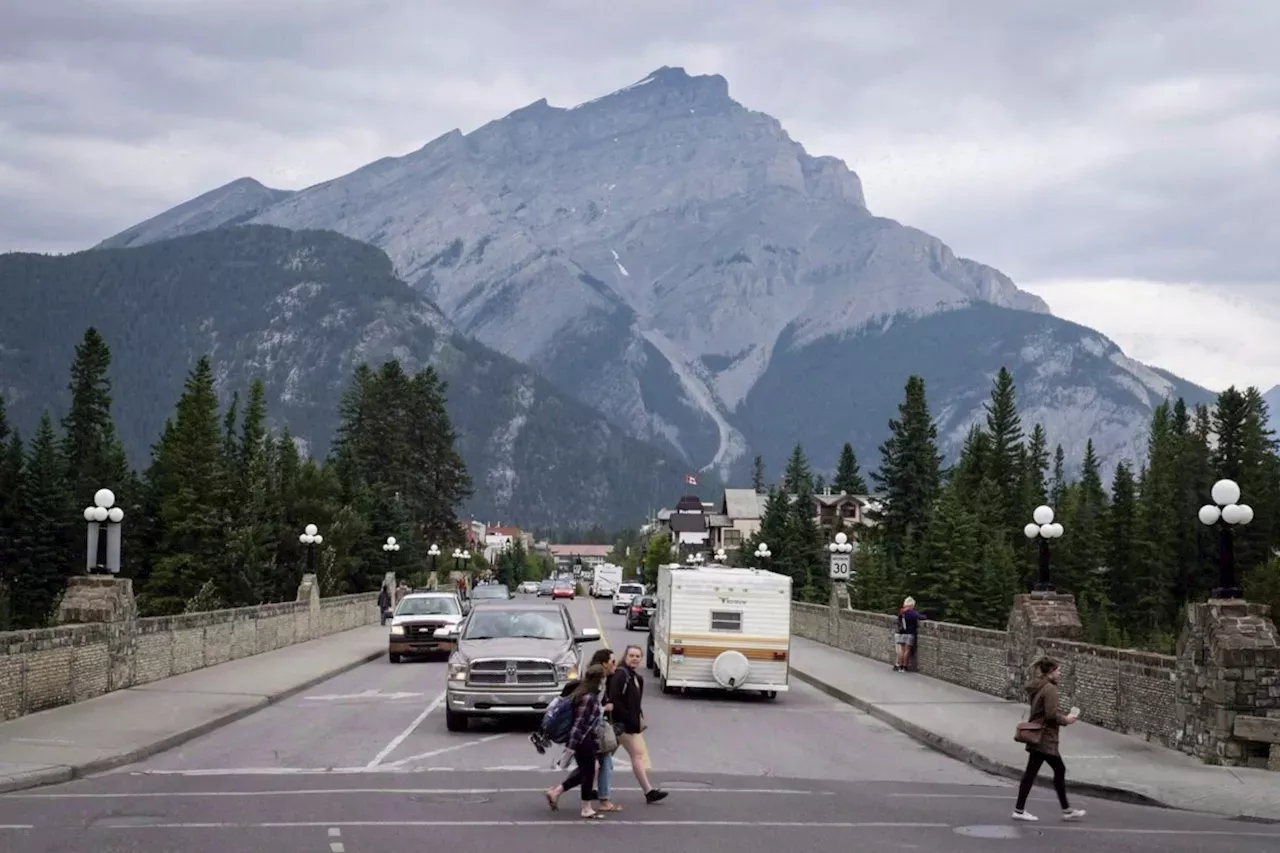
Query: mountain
x=665, y=254
x=301, y=309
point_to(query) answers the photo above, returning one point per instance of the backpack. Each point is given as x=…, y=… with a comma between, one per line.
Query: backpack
x=557, y=722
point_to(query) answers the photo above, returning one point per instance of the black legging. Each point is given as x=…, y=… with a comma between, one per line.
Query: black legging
x=584, y=773
x=1034, y=760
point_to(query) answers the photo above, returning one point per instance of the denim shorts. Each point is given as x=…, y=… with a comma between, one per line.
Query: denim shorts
x=904, y=639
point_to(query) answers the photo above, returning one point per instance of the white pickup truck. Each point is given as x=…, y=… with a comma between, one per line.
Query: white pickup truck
x=626, y=593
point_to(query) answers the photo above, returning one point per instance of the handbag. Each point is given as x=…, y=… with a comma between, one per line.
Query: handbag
x=1029, y=733
x=606, y=739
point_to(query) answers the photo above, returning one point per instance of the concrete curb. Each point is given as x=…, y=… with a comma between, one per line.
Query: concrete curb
x=62, y=773
x=971, y=756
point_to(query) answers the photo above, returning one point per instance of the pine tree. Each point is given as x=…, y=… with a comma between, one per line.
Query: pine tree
x=1058, y=484
x=848, y=477
x=910, y=474
x=11, y=478
x=45, y=530
x=942, y=579
x=1121, y=589
x=757, y=475
x=797, y=475
x=1004, y=464
x=189, y=483
x=1035, y=465
x=93, y=455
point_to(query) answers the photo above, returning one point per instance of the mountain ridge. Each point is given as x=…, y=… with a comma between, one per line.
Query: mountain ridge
x=301, y=309
x=655, y=250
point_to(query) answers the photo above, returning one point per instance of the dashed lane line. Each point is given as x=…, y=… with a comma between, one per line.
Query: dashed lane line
x=336, y=846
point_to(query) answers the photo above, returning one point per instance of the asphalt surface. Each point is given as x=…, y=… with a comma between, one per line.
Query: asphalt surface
x=364, y=763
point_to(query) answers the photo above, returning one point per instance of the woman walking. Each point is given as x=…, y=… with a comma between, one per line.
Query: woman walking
x=1042, y=692
x=626, y=695
x=604, y=659
x=588, y=715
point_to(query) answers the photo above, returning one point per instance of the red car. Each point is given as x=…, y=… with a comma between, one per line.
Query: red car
x=562, y=589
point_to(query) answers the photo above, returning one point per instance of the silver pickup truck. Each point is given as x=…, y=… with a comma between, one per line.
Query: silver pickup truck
x=510, y=659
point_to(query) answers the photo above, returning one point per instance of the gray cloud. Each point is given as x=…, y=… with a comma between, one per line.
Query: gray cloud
x=1056, y=141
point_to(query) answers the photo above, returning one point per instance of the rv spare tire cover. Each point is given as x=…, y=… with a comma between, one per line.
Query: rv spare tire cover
x=730, y=669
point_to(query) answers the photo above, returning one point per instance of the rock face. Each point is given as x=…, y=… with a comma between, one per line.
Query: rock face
x=299, y=310
x=663, y=253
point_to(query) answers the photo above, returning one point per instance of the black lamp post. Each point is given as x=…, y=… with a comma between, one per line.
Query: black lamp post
x=103, y=511
x=1226, y=512
x=311, y=538
x=1043, y=528
x=433, y=552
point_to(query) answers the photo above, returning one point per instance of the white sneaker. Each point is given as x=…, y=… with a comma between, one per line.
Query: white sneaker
x=1073, y=814
x=1027, y=816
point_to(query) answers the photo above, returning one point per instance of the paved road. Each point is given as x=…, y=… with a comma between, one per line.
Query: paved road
x=364, y=763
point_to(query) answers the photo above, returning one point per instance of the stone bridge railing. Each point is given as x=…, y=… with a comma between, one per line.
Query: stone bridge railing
x=102, y=646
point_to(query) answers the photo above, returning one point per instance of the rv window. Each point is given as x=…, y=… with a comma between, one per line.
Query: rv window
x=726, y=620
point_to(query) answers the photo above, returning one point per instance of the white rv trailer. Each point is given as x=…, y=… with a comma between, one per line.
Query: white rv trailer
x=720, y=628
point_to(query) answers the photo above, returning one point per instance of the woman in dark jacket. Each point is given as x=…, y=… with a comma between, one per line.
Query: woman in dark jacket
x=625, y=692
x=1042, y=693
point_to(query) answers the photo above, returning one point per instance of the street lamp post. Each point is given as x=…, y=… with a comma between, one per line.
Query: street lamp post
x=460, y=558
x=311, y=538
x=1226, y=512
x=762, y=552
x=841, y=551
x=103, y=510
x=1043, y=528
x=390, y=547
x=721, y=556
x=433, y=552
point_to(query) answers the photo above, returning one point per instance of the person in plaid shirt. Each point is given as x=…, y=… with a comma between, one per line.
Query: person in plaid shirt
x=587, y=717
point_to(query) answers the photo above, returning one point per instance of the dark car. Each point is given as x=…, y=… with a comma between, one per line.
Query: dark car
x=546, y=587
x=640, y=612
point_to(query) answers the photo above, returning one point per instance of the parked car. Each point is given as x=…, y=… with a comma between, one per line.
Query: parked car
x=563, y=589
x=546, y=588
x=640, y=611
x=529, y=587
x=626, y=593
x=415, y=620
x=511, y=659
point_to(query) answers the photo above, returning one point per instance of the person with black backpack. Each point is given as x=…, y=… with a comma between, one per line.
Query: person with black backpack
x=587, y=716
x=608, y=742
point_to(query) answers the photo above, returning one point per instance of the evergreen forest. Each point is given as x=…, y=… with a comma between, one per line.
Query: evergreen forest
x=214, y=519
x=1133, y=552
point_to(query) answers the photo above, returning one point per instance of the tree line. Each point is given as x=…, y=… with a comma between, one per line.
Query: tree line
x=952, y=536
x=214, y=518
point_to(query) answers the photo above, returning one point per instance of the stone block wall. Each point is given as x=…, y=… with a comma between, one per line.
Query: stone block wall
x=1126, y=691
x=55, y=666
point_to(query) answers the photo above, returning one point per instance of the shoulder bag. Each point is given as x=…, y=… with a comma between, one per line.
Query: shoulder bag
x=1028, y=732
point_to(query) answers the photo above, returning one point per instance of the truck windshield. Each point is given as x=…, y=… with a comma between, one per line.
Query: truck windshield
x=439, y=605
x=631, y=589
x=507, y=624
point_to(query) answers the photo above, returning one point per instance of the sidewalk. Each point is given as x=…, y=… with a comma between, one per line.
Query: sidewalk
x=125, y=726
x=978, y=729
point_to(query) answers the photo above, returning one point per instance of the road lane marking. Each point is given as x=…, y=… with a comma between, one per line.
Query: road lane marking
x=784, y=824
x=433, y=753
x=16, y=826
x=604, y=638
x=336, y=846
x=400, y=738
x=127, y=795
x=367, y=694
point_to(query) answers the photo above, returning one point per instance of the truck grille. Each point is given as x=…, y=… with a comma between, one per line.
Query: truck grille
x=423, y=630
x=512, y=672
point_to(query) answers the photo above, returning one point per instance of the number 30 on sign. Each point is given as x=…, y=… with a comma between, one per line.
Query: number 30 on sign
x=840, y=567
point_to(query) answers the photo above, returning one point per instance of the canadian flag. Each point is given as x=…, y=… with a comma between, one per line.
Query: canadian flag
x=690, y=480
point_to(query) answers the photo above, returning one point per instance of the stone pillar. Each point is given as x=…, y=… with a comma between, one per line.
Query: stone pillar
x=1037, y=616
x=97, y=598
x=309, y=593
x=1228, y=667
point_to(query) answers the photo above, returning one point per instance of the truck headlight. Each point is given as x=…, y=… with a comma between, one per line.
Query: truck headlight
x=457, y=671
x=567, y=669
x=397, y=630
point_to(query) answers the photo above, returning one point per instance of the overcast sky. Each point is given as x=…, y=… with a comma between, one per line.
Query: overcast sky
x=1125, y=165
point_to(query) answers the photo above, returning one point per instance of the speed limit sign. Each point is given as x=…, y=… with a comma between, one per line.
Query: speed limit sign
x=840, y=566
